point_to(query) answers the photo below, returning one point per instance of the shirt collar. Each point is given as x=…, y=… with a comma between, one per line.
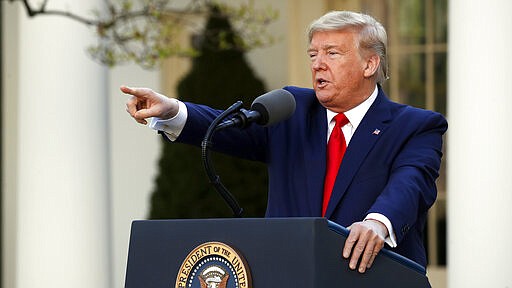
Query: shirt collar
x=356, y=114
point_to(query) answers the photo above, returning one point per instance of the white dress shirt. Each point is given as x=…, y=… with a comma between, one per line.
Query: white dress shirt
x=172, y=127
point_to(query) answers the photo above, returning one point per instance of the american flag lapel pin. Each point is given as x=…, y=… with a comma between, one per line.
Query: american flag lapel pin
x=376, y=132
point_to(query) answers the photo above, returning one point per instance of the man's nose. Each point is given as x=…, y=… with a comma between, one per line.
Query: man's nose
x=318, y=63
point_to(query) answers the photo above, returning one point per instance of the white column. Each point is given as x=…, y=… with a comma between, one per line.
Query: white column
x=9, y=136
x=63, y=176
x=479, y=144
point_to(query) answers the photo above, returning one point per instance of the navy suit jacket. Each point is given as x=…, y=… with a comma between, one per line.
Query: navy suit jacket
x=390, y=165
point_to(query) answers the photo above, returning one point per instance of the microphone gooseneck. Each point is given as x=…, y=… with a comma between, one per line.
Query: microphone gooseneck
x=210, y=171
x=266, y=110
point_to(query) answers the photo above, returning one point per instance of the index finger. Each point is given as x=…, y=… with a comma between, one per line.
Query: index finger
x=349, y=243
x=127, y=90
x=137, y=92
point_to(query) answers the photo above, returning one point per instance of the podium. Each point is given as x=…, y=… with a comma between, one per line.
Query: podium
x=266, y=253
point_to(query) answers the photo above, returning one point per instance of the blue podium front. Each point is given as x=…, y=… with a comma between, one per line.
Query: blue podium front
x=262, y=253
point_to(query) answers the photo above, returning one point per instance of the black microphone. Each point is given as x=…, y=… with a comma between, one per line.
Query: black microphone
x=267, y=109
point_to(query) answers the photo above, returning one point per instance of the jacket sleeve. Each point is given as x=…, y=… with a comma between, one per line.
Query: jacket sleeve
x=411, y=188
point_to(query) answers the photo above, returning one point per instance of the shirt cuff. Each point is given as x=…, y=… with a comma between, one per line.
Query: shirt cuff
x=391, y=238
x=172, y=127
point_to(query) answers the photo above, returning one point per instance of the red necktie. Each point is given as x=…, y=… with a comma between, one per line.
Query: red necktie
x=336, y=147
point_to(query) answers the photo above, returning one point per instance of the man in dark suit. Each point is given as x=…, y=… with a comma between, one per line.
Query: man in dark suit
x=386, y=180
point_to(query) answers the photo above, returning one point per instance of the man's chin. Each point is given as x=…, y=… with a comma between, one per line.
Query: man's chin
x=322, y=95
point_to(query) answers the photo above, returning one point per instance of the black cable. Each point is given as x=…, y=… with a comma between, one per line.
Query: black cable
x=208, y=166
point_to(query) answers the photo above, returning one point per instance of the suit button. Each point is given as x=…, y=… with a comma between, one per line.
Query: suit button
x=405, y=229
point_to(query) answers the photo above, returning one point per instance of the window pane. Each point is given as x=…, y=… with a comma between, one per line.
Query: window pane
x=412, y=22
x=440, y=80
x=412, y=79
x=440, y=21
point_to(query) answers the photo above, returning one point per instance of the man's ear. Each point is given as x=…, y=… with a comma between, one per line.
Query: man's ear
x=372, y=65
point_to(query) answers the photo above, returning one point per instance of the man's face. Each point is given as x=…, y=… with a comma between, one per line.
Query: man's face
x=339, y=71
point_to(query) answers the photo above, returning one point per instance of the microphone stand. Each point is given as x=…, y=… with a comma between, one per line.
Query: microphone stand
x=210, y=171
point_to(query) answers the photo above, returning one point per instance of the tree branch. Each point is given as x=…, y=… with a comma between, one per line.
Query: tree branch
x=149, y=32
x=33, y=12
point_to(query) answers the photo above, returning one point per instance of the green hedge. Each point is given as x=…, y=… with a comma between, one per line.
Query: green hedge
x=218, y=78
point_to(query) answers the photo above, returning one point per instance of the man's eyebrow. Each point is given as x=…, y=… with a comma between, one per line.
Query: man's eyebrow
x=329, y=46
x=323, y=47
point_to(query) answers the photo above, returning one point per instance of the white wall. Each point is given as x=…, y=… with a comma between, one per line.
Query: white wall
x=134, y=152
x=271, y=63
x=286, y=62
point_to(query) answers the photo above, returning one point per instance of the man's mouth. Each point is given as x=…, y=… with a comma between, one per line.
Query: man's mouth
x=321, y=83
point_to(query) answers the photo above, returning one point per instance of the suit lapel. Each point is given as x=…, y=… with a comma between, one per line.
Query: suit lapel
x=368, y=132
x=315, y=157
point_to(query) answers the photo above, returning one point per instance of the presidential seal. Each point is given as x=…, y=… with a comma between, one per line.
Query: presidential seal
x=214, y=265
